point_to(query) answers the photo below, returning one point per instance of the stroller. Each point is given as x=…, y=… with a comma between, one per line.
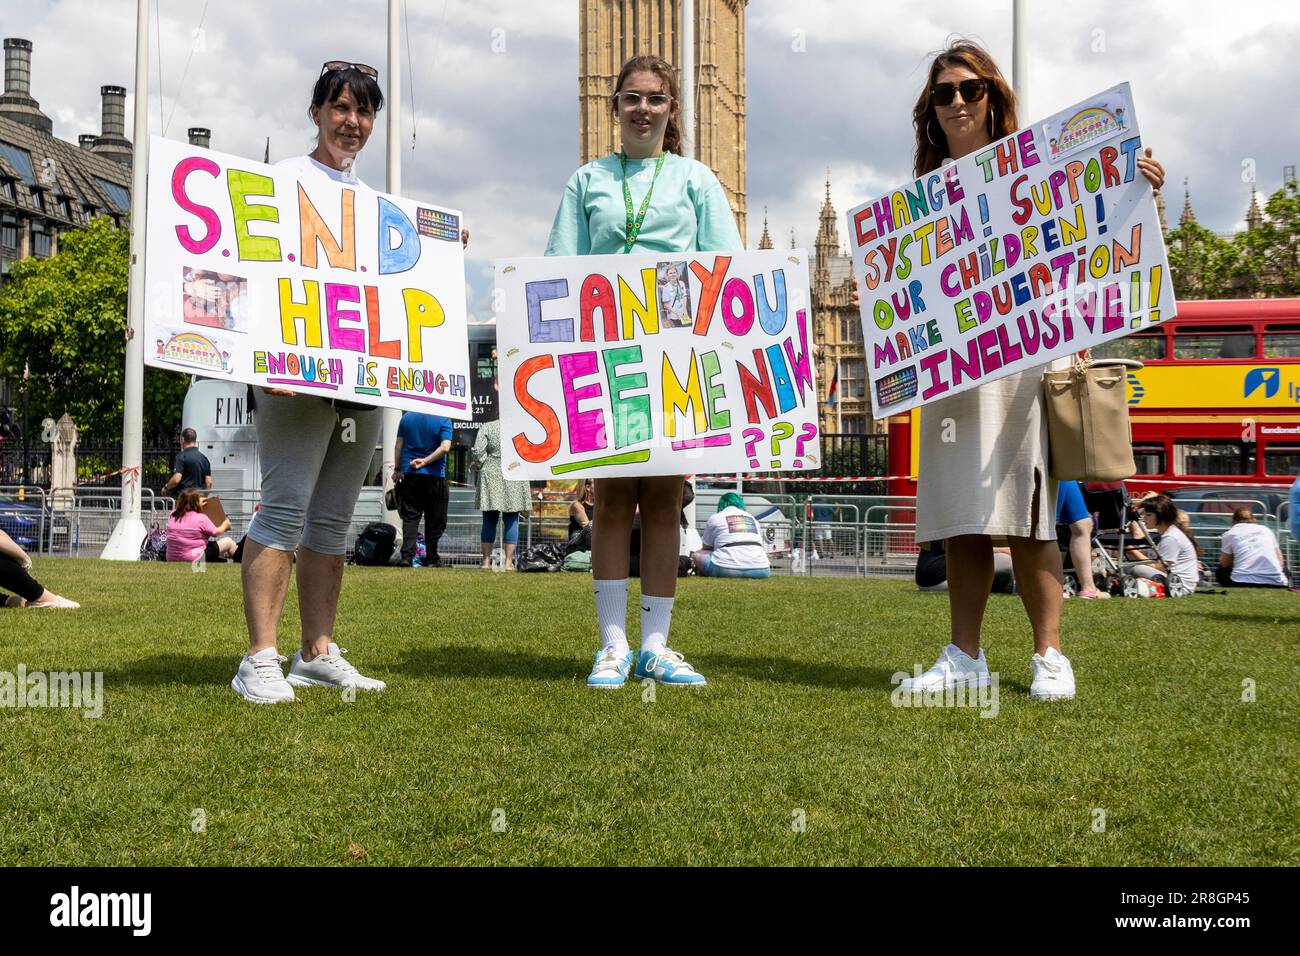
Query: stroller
x=1111, y=512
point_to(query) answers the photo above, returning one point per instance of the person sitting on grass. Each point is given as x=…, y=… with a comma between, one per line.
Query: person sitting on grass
x=1176, y=566
x=733, y=545
x=28, y=592
x=932, y=569
x=192, y=535
x=1249, y=555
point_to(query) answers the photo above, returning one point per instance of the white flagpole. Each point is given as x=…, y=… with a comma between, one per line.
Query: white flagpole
x=393, y=104
x=1019, y=63
x=839, y=399
x=686, y=65
x=686, y=90
x=124, y=542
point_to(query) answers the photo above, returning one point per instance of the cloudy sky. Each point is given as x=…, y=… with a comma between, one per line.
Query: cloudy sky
x=830, y=84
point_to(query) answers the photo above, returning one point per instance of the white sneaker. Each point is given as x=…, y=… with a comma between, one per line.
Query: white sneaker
x=1053, y=676
x=260, y=679
x=954, y=668
x=329, y=670
x=55, y=602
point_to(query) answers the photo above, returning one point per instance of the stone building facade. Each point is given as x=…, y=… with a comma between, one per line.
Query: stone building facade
x=47, y=185
x=612, y=31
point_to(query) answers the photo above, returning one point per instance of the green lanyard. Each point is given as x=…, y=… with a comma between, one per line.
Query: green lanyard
x=634, y=227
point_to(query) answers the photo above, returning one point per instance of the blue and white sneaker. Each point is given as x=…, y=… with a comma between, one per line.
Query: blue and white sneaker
x=668, y=667
x=610, y=670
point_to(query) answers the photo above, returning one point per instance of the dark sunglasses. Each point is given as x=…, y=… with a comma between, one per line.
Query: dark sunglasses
x=972, y=91
x=333, y=66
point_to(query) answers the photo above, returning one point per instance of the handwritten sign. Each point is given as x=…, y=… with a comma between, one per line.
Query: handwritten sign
x=1045, y=243
x=663, y=364
x=282, y=277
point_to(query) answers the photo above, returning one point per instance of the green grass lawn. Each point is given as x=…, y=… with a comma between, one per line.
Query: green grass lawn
x=487, y=718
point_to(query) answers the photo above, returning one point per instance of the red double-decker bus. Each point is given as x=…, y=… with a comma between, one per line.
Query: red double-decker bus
x=1218, y=401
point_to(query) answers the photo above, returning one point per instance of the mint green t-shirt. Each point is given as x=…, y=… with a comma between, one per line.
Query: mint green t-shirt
x=688, y=211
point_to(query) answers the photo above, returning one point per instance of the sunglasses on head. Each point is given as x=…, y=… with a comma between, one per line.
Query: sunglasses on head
x=333, y=66
x=972, y=91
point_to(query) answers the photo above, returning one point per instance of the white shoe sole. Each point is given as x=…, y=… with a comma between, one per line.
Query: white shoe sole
x=982, y=680
x=238, y=687
x=664, y=683
x=1042, y=696
x=608, y=686
x=299, y=681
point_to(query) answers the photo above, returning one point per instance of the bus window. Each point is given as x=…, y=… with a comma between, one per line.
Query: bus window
x=1282, y=460
x=1150, y=459
x=1215, y=342
x=1214, y=458
x=1282, y=341
x=1147, y=347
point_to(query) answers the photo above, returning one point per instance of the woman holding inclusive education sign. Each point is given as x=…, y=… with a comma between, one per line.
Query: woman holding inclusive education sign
x=315, y=454
x=682, y=208
x=983, y=452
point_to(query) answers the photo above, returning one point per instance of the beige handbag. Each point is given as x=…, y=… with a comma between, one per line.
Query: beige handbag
x=1089, y=438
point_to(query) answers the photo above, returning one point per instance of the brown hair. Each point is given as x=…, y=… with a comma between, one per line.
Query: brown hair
x=664, y=70
x=1168, y=513
x=931, y=141
x=1242, y=514
x=187, y=501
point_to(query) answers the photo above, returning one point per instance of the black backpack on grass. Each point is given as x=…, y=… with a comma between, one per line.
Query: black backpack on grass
x=375, y=544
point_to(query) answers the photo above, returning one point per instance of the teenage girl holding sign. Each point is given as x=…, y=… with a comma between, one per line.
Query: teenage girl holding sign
x=646, y=198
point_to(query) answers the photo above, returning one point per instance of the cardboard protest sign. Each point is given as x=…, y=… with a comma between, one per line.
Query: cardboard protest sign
x=662, y=364
x=317, y=286
x=213, y=508
x=1043, y=244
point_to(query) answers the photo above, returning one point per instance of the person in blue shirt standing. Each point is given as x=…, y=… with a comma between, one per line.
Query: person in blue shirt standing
x=423, y=442
x=1294, y=498
x=646, y=198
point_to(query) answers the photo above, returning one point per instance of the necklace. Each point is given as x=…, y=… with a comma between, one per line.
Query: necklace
x=634, y=226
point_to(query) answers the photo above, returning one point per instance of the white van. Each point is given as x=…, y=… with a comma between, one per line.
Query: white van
x=218, y=412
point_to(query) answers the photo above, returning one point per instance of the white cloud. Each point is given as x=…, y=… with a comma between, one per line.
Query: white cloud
x=495, y=88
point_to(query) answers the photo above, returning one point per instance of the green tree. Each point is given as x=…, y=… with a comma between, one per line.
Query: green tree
x=1271, y=253
x=65, y=317
x=1203, y=265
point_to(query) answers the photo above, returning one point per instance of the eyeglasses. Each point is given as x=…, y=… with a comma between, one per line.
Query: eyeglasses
x=629, y=101
x=972, y=91
x=333, y=66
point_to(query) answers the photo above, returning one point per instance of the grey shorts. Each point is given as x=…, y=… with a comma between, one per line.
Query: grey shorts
x=314, y=460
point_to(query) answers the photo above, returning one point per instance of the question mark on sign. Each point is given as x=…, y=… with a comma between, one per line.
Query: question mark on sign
x=780, y=432
x=751, y=442
x=808, y=434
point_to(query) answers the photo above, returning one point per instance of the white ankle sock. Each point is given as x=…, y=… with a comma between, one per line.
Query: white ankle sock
x=611, y=613
x=656, y=616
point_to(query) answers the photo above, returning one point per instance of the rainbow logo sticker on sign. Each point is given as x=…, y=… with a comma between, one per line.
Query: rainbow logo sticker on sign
x=195, y=350
x=896, y=387
x=1086, y=127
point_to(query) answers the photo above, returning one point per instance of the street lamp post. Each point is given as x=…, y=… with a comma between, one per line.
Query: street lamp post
x=27, y=438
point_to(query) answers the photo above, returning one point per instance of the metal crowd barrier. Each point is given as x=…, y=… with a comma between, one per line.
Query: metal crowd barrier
x=824, y=535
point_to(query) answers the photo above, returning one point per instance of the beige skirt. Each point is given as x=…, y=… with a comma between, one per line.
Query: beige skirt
x=983, y=463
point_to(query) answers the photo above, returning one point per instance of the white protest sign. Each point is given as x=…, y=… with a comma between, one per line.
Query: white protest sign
x=265, y=275
x=664, y=364
x=1043, y=244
